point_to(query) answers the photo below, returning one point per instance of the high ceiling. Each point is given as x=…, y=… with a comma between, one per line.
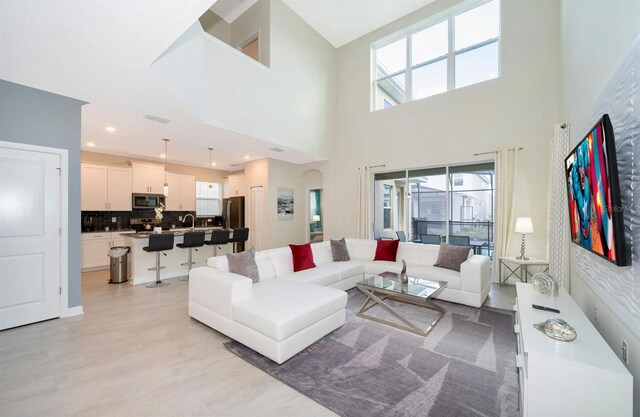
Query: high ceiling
x=101, y=52
x=342, y=21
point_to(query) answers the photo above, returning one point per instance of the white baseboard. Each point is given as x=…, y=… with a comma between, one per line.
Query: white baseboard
x=72, y=311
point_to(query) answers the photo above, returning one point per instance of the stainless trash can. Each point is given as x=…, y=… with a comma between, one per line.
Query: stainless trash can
x=119, y=260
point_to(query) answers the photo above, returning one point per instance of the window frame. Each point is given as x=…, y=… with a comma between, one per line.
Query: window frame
x=218, y=199
x=449, y=16
x=446, y=206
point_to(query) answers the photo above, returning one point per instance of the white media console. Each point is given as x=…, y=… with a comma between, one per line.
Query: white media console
x=582, y=378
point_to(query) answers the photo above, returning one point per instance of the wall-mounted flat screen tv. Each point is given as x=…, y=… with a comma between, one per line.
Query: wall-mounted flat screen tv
x=595, y=207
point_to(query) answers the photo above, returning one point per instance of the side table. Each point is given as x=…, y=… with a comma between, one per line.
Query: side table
x=519, y=268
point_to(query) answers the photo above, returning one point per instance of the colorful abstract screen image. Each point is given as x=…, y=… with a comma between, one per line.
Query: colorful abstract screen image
x=595, y=211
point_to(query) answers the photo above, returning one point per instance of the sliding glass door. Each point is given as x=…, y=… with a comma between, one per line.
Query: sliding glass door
x=428, y=204
x=444, y=204
x=471, y=206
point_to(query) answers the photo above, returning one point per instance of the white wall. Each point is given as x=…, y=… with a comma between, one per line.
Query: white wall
x=517, y=109
x=272, y=174
x=37, y=117
x=596, y=38
x=301, y=178
x=216, y=26
x=292, y=103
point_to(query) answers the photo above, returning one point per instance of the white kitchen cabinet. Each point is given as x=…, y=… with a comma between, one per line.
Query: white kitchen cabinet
x=188, y=192
x=105, y=188
x=147, y=178
x=182, y=192
x=119, y=188
x=95, y=248
x=94, y=187
x=172, y=202
x=236, y=185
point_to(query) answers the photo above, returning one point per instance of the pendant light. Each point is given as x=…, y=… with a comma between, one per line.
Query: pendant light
x=210, y=164
x=166, y=155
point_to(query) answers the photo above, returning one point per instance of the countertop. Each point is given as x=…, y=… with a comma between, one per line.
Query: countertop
x=111, y=229
x=175, y=232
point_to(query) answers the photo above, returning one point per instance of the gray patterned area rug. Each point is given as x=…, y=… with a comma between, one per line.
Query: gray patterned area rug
x=464, y=367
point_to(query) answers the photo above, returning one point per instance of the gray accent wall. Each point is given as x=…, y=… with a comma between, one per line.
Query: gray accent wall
x=36, y=117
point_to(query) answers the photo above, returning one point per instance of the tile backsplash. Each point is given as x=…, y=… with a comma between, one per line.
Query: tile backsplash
x=102, y=219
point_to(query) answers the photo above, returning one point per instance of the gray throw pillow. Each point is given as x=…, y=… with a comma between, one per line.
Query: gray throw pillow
x=244, y=263
x=452, y=256
x=340, y=251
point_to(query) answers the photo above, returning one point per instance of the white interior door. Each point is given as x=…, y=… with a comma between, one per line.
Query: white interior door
x=256, y=220
x=30, y=237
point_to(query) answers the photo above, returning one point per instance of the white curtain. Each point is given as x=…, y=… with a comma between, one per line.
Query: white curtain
x=506, y=166
x=558, y=214
x=364, y=192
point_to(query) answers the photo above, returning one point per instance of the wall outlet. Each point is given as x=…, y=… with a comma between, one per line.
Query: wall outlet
x=114, y=220
x=625, y=352
x=179, y=218
x=209, y=220
x=596, y=315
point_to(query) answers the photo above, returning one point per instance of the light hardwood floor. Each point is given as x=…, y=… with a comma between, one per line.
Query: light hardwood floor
x=136, y=352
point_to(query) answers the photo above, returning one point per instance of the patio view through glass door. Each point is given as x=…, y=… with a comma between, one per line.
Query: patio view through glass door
x=444, y=204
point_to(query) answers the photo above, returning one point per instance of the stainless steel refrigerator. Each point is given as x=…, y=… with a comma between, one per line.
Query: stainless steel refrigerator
x=233, y=215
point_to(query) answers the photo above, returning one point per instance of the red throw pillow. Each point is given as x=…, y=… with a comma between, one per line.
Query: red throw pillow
x=302, y=257
x=386, y=250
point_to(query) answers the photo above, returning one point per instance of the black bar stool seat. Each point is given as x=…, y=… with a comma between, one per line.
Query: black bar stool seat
x=218, y=237
x=239, y=236
x=191, y=240
x=159, y=243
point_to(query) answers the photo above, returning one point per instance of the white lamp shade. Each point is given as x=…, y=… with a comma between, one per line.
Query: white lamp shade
x=524, y=225
x=316, y=218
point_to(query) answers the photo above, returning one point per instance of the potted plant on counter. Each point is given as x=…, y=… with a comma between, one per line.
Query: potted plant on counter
x=159, y=209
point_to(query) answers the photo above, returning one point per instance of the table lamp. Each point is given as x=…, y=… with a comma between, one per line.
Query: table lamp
x=315, y=219
x=524, y=226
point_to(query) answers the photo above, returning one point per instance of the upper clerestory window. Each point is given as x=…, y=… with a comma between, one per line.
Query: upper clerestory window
x=459, y=47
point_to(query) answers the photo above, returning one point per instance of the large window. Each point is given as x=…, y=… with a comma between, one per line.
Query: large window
x=444, y=204
x=458, y=49
x=208, y=196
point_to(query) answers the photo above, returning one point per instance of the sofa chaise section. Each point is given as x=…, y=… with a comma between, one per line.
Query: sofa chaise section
x=276, y=318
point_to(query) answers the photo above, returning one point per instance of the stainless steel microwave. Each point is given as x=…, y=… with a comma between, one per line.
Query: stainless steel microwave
x=147, y=201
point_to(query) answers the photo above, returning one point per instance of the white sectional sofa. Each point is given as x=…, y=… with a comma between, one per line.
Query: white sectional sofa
x=287, y=311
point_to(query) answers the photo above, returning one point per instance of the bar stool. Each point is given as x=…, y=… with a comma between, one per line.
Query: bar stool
x=191, y=240
x=218, y=237
x=158, y=243
x=239, y=236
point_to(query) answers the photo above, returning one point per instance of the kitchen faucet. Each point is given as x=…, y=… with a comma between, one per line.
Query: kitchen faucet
x=193, y=220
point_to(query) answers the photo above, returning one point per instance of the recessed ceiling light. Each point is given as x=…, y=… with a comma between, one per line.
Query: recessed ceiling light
x=213, y=164
x=163, y=156
x=91, y=144
x=246, y=157
x=110, y=129
x=277, y=149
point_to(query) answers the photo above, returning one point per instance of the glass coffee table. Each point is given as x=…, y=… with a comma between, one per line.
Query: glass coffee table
x=419, y=292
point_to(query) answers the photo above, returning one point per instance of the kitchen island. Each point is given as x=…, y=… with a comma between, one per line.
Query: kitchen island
x=140, y=261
